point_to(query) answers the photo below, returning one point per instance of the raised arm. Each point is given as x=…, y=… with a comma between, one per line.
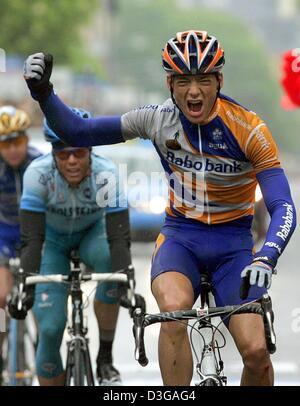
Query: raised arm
x=72, y=129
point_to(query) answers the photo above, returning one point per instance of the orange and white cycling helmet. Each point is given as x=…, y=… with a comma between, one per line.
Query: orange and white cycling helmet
x=191, y=53
x=13, y=122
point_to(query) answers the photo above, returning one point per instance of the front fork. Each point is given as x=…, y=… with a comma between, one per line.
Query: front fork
x=211, y=365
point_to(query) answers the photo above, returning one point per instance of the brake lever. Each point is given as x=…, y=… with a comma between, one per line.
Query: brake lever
x=138, y=333
x=18, y=273
x=131, y=286
x=266, y=304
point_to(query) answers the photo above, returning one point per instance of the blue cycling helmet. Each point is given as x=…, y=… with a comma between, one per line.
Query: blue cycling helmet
x=50, y=135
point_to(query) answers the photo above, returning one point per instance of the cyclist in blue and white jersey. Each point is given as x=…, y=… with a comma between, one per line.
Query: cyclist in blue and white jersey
x=66, y=205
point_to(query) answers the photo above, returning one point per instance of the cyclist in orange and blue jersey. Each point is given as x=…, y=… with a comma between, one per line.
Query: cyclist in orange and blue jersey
x=214, y=152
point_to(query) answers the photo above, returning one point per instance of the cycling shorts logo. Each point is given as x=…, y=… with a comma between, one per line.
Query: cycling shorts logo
x=44, y=297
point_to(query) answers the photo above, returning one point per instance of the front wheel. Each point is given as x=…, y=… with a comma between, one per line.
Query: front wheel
x=210, y=382
x=79, y=365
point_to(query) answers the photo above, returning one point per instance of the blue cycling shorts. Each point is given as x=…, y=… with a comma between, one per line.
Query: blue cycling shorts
x=9, y=240
x=220, y=250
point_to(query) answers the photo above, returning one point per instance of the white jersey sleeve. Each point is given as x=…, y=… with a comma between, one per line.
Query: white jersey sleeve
x=146, y=122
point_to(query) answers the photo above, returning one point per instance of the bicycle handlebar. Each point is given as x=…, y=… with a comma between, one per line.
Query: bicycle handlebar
x=144, y=320
x=124, y=276
x=201, y=312
x=58, y=278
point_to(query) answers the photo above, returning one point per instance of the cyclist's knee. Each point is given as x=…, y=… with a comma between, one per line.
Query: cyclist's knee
x=51, y=322
x=51, y=332
x=167, y=303
x=256, y=356
x=108, y=293
x=170, y=300
x=173, y=291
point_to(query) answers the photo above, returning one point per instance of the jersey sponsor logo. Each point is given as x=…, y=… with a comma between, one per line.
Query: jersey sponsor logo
x=217, y=134
x=71, y=211
x=288, y=222
x=274, y=245
x=43, y=179
x=206, y=165
x=238, y=120
x=218, y=145
x=168, y=109
x=147, y=107
x=262, y=139
x=155, y=107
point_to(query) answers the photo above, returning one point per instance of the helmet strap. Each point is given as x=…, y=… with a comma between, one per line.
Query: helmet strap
x=172, y=94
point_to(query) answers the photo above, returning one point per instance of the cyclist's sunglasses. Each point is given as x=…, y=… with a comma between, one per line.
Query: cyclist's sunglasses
x=64, y=154
x=17, y=141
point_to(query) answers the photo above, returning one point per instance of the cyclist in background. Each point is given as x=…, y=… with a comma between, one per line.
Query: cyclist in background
x=64, y=206
x=15, y=155
x=214, y=152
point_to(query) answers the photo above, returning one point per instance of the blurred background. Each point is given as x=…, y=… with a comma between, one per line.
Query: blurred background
x=107, y=60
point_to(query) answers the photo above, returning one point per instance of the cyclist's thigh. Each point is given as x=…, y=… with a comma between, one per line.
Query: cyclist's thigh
x=55, y=260
x=50, y=298
x=247, y=331
x=174, y=269
x=227, y=280
x=94, y=249
x=94, y=252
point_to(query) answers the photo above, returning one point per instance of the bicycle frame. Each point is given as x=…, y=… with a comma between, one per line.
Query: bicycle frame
x=210, y=365
x=78, y=364
x=77, y=331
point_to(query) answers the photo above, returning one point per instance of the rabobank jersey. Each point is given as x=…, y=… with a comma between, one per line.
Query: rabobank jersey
x=211, y=168
x=68, y=209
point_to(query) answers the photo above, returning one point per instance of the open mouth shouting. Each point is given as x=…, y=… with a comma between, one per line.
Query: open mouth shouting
x=195, y=108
